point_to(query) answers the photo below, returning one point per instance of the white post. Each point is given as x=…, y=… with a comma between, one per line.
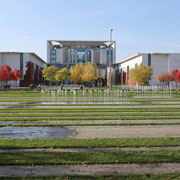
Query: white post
x=110, y=61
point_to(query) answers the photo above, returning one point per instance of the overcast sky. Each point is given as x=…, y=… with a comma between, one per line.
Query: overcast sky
x=138, y=25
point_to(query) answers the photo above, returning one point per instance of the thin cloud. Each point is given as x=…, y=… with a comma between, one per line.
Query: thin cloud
x=26, y=37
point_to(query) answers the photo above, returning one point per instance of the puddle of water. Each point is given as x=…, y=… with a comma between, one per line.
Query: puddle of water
x=9, y=132
x=17, y=106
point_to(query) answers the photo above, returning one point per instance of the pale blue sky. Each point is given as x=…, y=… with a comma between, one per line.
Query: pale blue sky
x=139, y=25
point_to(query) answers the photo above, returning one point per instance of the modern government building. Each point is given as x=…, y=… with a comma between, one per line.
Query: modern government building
x=73, y=52
x=63, y=53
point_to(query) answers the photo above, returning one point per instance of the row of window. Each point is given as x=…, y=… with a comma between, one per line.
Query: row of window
x=81, y=55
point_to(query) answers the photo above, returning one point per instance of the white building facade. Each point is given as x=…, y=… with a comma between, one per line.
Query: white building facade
x=161, y=63
x=20, y=61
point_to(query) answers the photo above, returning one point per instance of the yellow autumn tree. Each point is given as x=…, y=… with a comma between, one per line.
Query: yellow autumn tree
x=90, y=72
x=141, y=74
x=76, y=73
x=62, y=75
x=49, y=73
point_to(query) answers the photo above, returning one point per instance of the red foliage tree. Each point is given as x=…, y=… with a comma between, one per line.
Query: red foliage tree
x=6, y=74
x=175, y=74
x=28, y=79
x=36, y=76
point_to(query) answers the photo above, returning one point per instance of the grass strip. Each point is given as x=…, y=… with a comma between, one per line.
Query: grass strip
x=89, y=118
x=159, y=176
x=85, y=124
x=99, y=109
x=86, y=157
x=89, y=114
x=85, y=143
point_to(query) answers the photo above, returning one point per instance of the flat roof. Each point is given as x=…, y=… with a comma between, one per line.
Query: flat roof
x=139, y=54
x=31, y=53
x=128, y=59
x=80, y=43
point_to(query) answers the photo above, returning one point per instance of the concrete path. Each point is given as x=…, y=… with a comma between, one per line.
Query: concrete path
x=91, y=132
x=91, y=149
x=59, y=170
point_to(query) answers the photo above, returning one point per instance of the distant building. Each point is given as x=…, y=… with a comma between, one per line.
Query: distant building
x=69, y=53
x=29, y=64
x=161, y=63
x=73, y=52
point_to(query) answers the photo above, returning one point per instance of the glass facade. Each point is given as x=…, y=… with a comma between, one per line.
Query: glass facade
x=52, y=56
x=83, y=54
x=108, y=58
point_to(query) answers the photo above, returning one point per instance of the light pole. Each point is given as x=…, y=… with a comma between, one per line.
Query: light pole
x=110, y=61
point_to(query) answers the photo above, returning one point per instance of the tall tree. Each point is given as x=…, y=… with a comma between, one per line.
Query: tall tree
x=62, y=75
x=49, y=73
x=141, y=74
x=76, y=73
x=90, y=72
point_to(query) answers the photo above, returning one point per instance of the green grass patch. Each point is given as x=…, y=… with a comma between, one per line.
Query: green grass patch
x=89, y=114
x=89, y=157
x=86, y=124
x=91, y=109
x=85, y=143
x=89, y=118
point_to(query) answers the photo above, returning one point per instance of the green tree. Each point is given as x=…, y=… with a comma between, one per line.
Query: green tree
x=141, y=74
x=49, y=73
x=76, y=73
x=90, y=72
x=62, y=75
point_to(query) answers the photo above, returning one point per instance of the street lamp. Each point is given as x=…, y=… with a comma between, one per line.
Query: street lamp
x=110, y=61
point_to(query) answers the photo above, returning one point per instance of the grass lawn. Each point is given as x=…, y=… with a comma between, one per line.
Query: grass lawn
x=85, y=143
x=89, y=157
x=91, y=109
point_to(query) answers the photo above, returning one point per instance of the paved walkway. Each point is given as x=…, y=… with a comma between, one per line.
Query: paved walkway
x=59, y=170
x=91, y=132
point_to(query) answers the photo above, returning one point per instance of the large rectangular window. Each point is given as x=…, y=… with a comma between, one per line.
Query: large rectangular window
x=121, y=76
x=21, y=65
x=37, y=71
x=33, y=71
x=149, y=59
x=109, y=58
x=127, y=73
x=52, y=56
